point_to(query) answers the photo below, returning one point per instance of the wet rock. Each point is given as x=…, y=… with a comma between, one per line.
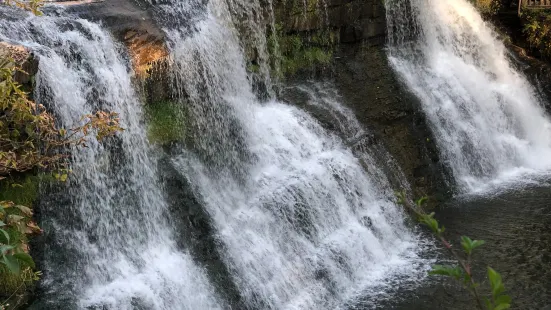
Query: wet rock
x=196, y=232
x=356, y=20
x=364, y=77
x=132, y=23
x=537, y=71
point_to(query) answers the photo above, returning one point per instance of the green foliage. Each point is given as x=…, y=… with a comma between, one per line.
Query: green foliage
x=537, y=29
x=469, y=245
x=29, y=138
x=462, y=272
x=23, y=189
x=430, y=222
x=165, y=122
x=449, y=271
x=16, y=282
x=30, y=5
x=16, y=222
x=487, y=7
x=292, y=53
x=499, y=300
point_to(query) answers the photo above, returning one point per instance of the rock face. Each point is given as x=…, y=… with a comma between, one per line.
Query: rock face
x=356, y=19
x=132, y=23
x=368, y=84
x=351, y=33
x=537, y=71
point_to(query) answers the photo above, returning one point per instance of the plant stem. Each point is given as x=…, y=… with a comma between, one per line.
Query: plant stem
x=464, y=265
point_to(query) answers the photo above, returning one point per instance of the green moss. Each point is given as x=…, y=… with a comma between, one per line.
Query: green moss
x=165, y=122
x=11, y=283
x=253, y=68
x=292, y=53
x=305, y=7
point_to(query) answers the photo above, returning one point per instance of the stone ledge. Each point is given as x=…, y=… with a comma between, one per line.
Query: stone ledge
x=130, y=22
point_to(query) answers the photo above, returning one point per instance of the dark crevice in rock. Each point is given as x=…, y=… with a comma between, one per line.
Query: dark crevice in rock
x=196, y=232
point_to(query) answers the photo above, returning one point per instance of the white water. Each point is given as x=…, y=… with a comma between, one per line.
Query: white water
x=113, y=245
x=487, y=120
x=301, y=224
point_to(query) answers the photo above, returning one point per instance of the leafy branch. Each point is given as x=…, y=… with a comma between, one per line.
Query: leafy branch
x=29, y=137
x=30, y=5
x=462, y=272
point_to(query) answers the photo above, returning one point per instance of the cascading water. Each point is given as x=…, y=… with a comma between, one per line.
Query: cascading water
x=112, y=241
x=300, y=222
x=486, y=117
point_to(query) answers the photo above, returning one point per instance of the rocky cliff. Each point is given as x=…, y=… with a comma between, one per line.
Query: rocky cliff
x=361, y=71
x=338, y=40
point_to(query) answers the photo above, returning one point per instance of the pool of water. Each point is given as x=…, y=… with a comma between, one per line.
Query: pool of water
x=516, y=225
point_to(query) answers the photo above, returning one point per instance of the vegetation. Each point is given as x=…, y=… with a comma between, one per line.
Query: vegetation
x=31, y=142
x=488, y=7
x=165, y=123
x=29, y=5
x=463, y=271
x=292, y=53
x=537, y=29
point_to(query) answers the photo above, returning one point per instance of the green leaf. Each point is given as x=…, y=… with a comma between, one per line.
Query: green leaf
x=15, y=218
x=503, y=299
x=488, y=303
x=25, y=259
x=421, y=201
x=454, y=272
x=495, y=282
x=25, y=210
x=12, y=263
x=4, y=237
x=2, y=224
x=502, y=306
x=469, y=245
x=428, y=220
x=477, y=243
x=466, y=244
x=5, y=248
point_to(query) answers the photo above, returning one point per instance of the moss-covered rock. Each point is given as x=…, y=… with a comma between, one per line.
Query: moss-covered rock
x=165, y=122
x=297, y=52
x=351, y=36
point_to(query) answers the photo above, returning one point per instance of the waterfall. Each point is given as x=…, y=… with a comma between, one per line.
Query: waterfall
x=304, y=217
x=300, y=223
x=488, y=122
x=112, y=245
